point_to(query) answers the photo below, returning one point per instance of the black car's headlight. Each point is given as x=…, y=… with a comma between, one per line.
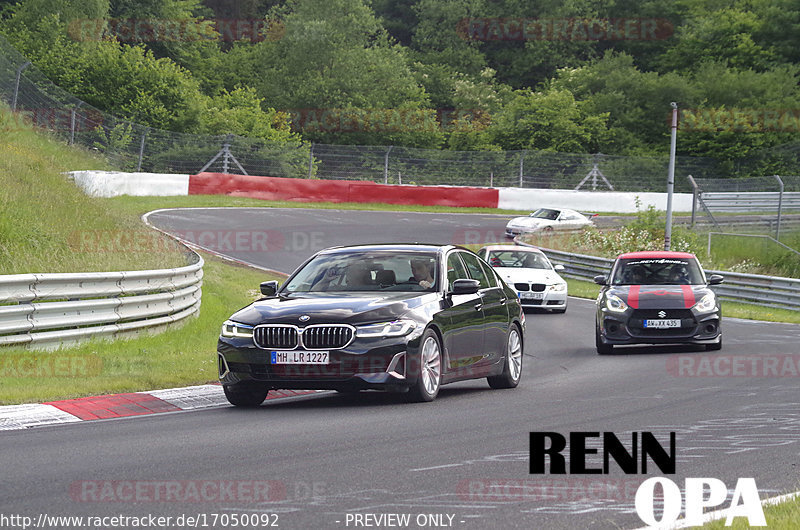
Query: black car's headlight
x=395, y=328
x=615, y=303
x=235, y=329
x=707, y=304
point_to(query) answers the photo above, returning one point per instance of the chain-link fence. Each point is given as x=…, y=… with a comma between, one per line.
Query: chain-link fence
x=133, y=147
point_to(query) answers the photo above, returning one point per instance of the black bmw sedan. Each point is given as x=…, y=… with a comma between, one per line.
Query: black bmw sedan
x=657, y=298
x=402, y=318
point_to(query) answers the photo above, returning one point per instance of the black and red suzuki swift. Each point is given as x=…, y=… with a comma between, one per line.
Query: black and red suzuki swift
x=657, y=298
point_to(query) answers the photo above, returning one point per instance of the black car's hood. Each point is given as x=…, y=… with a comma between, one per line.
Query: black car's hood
x=660, y=296
x=332, y=307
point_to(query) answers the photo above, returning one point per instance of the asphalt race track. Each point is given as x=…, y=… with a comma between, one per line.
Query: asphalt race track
x=460, y=462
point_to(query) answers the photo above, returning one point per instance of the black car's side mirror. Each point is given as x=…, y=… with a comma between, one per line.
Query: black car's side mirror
x=269, y=288
x=600, y=279
x=715, y=279
x=464, y=286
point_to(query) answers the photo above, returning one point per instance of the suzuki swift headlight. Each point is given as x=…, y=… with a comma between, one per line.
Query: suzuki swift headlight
x=707, y=304
x=234, y=329
x=396, y=328
x=615, y=303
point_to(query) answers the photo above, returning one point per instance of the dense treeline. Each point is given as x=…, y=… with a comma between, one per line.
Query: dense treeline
x=579, y=76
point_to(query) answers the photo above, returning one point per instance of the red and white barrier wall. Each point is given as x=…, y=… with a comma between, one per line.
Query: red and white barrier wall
x=111, y=184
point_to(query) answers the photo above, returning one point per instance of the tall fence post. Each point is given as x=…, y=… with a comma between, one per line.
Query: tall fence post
x=780, y=207
x=491, y=179
x=72, y=119
x=694, y=199
x=521, y=166
x=386, y=166
x=141, y=151
x=16, y=84
x=311, y=160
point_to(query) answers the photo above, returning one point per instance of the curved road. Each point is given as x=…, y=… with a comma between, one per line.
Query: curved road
x=462, y=461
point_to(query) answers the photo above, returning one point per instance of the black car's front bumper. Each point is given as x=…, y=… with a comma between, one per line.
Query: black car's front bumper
x=628, y=327
x=383, y=364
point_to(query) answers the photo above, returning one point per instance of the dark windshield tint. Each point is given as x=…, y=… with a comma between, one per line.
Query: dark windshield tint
x=662, y=271
x=366, y=271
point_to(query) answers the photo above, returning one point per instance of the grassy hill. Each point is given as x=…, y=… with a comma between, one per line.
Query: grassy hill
x=48, y=225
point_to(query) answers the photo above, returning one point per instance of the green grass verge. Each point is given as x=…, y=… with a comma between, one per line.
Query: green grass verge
x=183, y=355
x=783, y=516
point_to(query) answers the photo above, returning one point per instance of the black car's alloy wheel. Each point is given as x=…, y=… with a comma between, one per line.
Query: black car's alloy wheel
x=429, y=373
x=246, y=398
x=512, y=369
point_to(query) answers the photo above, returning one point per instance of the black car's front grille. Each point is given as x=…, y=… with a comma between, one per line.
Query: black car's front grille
x=284, y=337
x=287, y=337
x=687, y=327
x=327, y=337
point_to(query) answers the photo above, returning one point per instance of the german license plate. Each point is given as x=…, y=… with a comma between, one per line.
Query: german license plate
x=299, y=357
x=531, y=296
x=662, y=323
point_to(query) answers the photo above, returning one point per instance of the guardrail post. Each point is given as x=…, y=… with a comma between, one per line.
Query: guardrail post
x=780, y=206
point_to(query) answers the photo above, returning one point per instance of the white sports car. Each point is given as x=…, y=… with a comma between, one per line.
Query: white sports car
x=547, y=220
x=528, y=271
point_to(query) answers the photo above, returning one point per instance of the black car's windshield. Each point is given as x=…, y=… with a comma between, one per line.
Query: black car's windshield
x=660, y=271
x=545, y=213
x=366, y=271
x=518, y=259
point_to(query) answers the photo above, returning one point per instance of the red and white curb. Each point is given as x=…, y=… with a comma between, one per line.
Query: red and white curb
x=15, y=417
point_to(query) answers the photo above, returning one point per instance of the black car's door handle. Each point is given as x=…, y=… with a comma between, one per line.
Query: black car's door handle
x=478, y=306
x=503, y=301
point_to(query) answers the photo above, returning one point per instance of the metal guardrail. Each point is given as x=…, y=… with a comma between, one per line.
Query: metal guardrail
x=750, y=201
x=771, y=291
x=52, y=309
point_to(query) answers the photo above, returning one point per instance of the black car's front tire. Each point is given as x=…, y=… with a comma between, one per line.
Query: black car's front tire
x=429, y=371
x=512, y=364
x=602, y=347
x=245, y=398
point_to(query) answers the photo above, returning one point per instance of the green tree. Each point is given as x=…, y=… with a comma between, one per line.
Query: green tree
x=548, y=120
